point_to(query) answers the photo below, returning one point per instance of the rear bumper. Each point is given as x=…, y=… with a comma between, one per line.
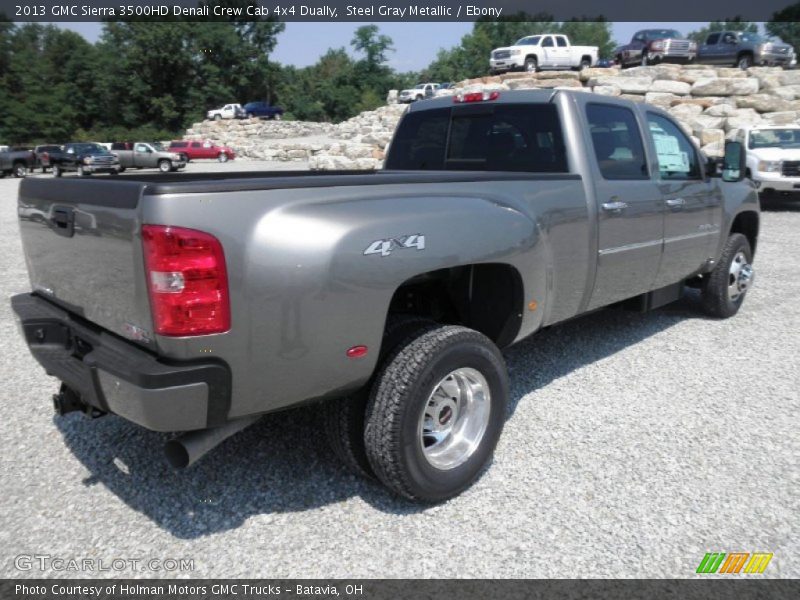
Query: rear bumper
x=116, y=376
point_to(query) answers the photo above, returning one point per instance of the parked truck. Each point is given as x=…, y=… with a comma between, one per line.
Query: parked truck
x=195, y=303
x=16, y=162
x=744, y=49
x=147, y=155
x=86, y=159
x=773, y=158
x=653, y=46
x=545, y=51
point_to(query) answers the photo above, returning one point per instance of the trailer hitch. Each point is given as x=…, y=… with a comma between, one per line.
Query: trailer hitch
x=68, y=400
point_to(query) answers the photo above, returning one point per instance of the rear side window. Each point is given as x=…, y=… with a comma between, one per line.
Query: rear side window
x=562, y=42
x=504, y=137
x=712, y=39
x=178, y=145
x=617, y=142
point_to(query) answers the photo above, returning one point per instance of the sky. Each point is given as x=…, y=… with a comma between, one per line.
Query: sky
x=416, y=44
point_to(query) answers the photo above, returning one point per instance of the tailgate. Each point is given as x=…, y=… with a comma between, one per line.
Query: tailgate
x=83, y=250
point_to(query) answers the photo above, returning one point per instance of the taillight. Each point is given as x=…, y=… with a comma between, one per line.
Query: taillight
x=186, y=280
x=476, y=97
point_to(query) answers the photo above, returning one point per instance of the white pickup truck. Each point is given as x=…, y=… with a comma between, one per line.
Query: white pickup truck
x=773, y=158
x=543, y=51
x=229, y=111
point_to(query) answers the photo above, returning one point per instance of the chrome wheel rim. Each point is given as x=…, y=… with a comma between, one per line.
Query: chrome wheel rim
x=454, y=418
x=740, y=276
x=530, y=66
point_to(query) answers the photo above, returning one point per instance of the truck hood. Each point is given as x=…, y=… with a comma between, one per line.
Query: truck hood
x=776, y=153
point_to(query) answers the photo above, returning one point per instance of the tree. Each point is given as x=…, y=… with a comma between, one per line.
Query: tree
x=366, y=39
x=735, y=24
x=786, y=25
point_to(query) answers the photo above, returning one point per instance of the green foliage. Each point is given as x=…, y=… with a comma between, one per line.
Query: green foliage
x=786, y=25
x=735, y=24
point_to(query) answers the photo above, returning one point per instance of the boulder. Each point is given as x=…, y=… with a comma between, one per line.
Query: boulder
x=712, y=136
x=692, y=75
x=685, y=111
x=700, y=122
x=665, y=72
x=680, y=88
x=763, y=102
x=607, y=90
x=662, y=99
x=733, y=72
x=594, y=72
x=714, y=149
x=724, y=86
x=701, y=102
x=632, y=97
x=787, y=117
x=789, y=77
x=626, y=84
x=720, y=110
x=558, y=75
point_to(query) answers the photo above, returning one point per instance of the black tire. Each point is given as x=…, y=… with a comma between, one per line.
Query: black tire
x=716, y=291
x=401, y=393
x=222, y=157
x=57, y=172
x=585, y=64
x=164, y=165
x=531, y=65
x=343, y=418
x=744, y=62
x=218, y=117
x=19, y=170
x=122, y=169
x=645, y=61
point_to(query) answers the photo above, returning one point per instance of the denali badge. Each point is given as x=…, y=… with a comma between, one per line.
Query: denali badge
x=385, y=247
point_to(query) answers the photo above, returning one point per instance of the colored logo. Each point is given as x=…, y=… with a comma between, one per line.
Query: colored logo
x=734, y=562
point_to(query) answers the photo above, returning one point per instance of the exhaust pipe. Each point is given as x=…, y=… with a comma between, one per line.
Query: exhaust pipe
x=186, y=449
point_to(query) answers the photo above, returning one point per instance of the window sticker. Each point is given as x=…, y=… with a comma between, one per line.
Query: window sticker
x=670, y=157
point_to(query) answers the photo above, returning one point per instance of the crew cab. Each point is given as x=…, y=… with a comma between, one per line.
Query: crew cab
x=196, y=303
x=653, y=46
x=147, y=155
x=195, y=149
x=229, y=111
x=262, y=110
x=16, y=161
x=86, y=159
x=744, y=49
x=544, y=51
x=418, y=92
x=773, y=158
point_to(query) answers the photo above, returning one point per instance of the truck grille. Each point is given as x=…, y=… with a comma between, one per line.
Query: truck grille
x=103, y=160
x=790, y=168
x=677, y=47
x=501, y=54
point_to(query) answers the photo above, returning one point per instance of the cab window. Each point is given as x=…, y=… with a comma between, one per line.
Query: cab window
x=548, y=42
x=617, y=142
x=677, y=157
x=561, y=41
x=712, y=39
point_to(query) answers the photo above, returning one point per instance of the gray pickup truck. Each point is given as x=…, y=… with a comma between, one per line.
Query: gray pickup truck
x=147, y=155
x=744, y=49
x=195, y=303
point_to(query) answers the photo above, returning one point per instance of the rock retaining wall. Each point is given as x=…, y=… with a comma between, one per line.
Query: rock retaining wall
x=711, y=104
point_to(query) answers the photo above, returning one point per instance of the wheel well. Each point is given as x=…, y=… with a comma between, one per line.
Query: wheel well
x=484, y=297
x=586, y=57
x=533, y=56
x=744, y=53
x=746, y=223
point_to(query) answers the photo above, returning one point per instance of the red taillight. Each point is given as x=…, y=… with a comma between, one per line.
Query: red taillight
x=187, y=281
x=476, y=97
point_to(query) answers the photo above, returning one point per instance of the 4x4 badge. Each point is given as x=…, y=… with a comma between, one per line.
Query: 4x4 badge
x=385, y=247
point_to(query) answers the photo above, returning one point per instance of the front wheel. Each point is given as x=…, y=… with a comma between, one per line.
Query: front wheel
x=218, y=117
x=725, y=287
x=82, y=172
x=222, y=157
x=164, y=166
x=531, y=64
x=435, y=413
x=57, y=171
x=645, y=59
x=20, y=170
x=745, y=62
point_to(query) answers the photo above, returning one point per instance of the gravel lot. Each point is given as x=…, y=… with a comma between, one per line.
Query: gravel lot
x=635, y=444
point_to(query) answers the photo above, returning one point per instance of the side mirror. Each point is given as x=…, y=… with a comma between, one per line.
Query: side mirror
x=733, y=164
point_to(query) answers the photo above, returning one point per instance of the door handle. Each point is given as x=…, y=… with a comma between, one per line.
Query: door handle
x=676, y=202
x=616, y=206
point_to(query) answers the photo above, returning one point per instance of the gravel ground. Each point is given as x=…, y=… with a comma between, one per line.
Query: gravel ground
x=634, y=444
